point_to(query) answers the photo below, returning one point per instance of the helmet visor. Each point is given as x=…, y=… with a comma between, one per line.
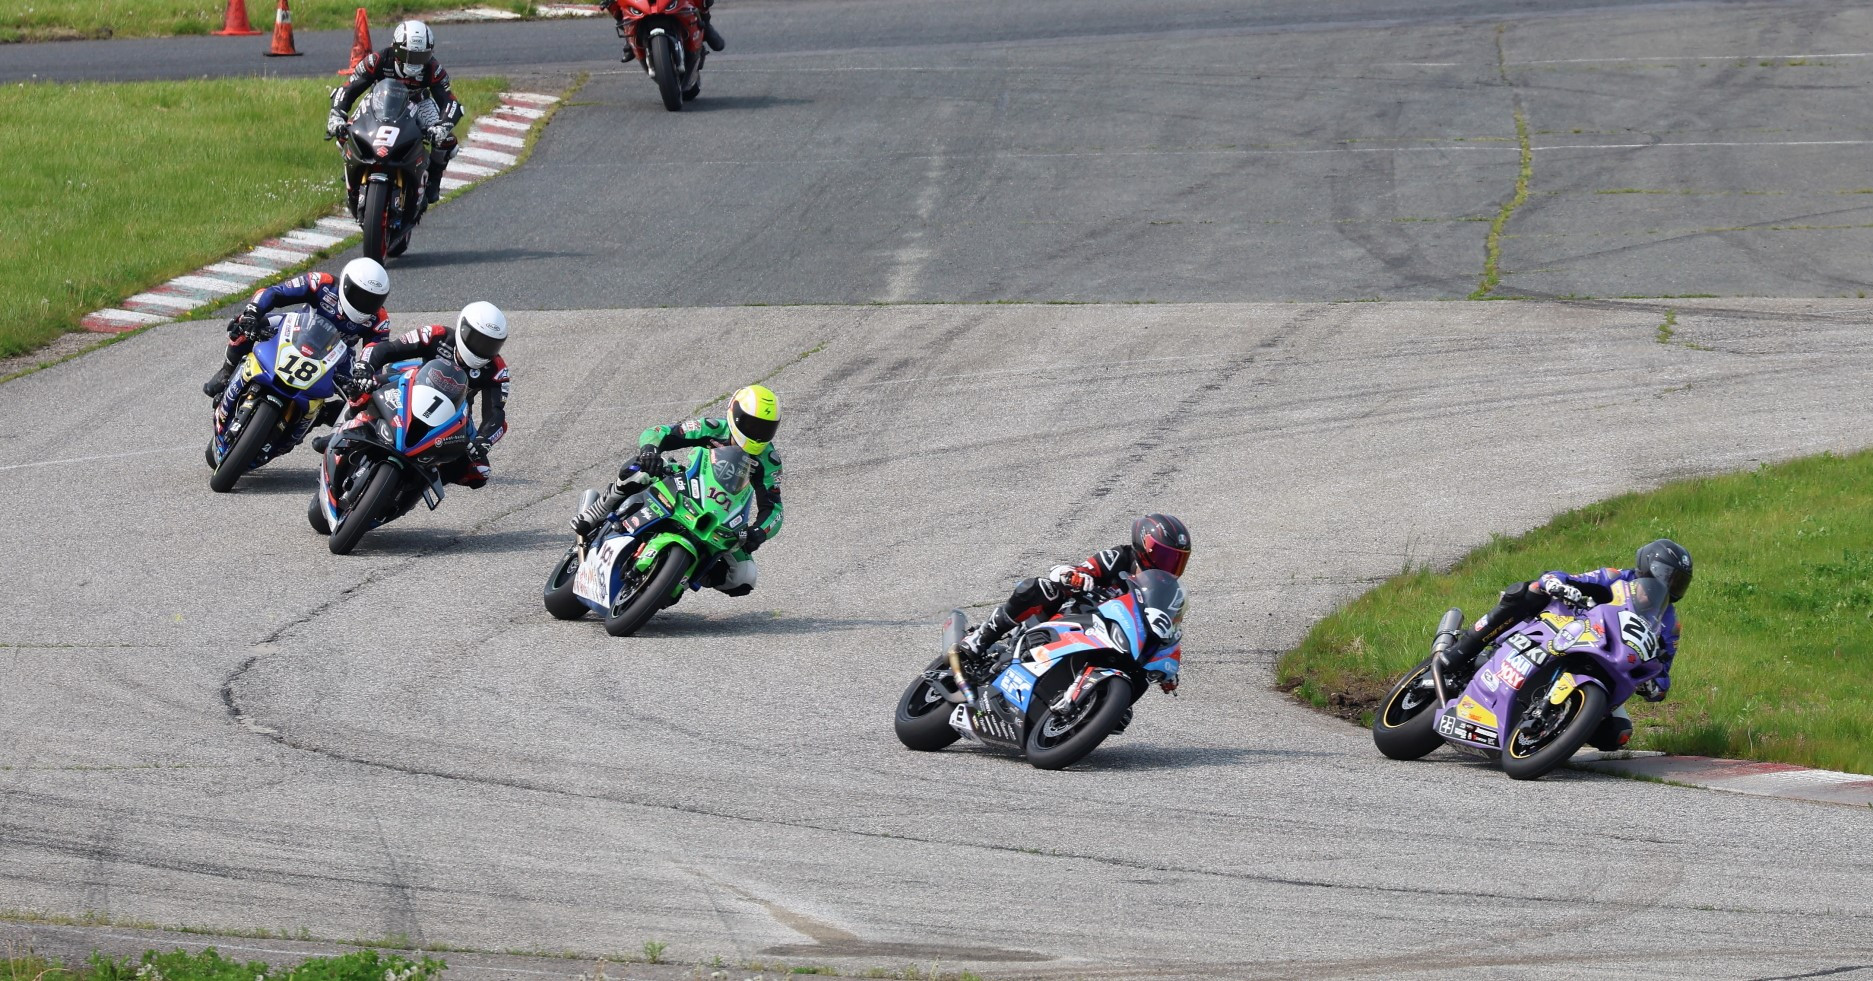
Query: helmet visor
x=410, y=63
x=1160, y=554
x=362, y=298
x=1677, y=580
x=754, y=428
x=481, y=345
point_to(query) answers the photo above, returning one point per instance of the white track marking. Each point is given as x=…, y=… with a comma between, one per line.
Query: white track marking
x=338, y=225
x=533, y=97
x=101, y=456
x=915, y=251
x=165, y=300
x=492, y=156
x=490, y=120
x=498, y=139
x=207, y=284
x=319, y=239
x=238, y=269
x=268, y=253
x=451, y=183
x=473, y=170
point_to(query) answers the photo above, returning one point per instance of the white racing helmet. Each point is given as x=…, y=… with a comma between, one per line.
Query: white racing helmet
x=363, y=287
x=411, y=46
x=479, y=333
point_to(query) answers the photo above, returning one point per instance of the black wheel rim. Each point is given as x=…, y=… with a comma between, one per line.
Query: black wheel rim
x=926, y=699
x=1411, y=698
x=1058, y=728
x=1539, y=729
x=567, y=566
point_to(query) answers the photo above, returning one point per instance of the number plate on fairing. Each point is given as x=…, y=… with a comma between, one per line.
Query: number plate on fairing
x=594, y=579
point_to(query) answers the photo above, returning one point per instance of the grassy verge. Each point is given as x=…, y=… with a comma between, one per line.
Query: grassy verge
x=196, y=170
x=1776, y=661
x=209, y=965
x=50, y=20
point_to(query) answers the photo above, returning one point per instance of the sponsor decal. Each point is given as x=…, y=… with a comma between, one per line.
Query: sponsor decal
x=1470, y=710
x=1489, y=680
x=1452, y=727
x=1511, y=677
x=1638, y=635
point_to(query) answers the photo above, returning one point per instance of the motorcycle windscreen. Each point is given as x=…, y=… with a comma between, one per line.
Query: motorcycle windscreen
x=1642, y=622
x=311, y=334
x=388, y=100
x=437, y=396
x=732, y=468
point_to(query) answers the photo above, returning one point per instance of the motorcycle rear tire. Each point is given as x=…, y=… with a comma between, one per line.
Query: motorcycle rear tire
x=649, y=597
x=1115, y=696
x=257, y=433
x=315, y=516
x=371, y=503
x=561, y=602
x=922, y=722
x=1579, y=729
x=1407, y=734
x=663, y=63
x=376, y=220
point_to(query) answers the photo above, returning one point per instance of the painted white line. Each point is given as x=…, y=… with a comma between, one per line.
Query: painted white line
x=491, y=120
x=473, y=170
x=206, y=284
x=237, y=269
x=92, y=459
x=345, y=225
x=492, y=156
x=127, y=316
x=284, y=256
x=533, y=97
x=1618, y=61
x=1674, y=146
x=498, y=139
x=526, y=113
x=451, y=183
x=315, y=238
x=165, y=300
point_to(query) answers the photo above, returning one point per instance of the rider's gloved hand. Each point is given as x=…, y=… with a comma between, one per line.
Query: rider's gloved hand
x=438, y=134
x=245, y=323
x=751, y=539
x=1072, y=578
x=1562, y=590
x=1651, y=691
x=649, y=458
x=478, y=449
x=1168, y=682
x=335, y=124
x=363, y=376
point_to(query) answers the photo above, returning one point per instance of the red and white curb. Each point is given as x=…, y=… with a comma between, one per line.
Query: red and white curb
x=1784, y=780
x=495, y=13
x=491, y=145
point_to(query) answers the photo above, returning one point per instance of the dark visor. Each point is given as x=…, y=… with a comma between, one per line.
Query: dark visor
x=1163, y=555
x=362, y=298
x=759, y=430
x=481, y=345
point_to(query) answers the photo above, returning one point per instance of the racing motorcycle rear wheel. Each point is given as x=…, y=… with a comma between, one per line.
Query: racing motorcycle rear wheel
x=256, y=432
x=560, y=599
x=923, y=714
x=1543, y=740
x=1404, y=726
x=1056, y=742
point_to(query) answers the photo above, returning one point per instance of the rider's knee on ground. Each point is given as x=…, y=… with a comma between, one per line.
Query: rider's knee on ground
x=738, y=577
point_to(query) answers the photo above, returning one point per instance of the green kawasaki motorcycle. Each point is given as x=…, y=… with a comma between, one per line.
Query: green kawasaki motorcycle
x=671, y=536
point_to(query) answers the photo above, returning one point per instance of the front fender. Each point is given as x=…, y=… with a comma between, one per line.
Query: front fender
x=653, y=548
x=1065, y=673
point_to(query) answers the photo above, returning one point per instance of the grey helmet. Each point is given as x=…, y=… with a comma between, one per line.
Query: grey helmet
x=1668, y=562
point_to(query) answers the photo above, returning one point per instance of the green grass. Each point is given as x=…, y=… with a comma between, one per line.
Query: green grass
x=209, y=965
x=1776, y=661
x=43, y=20
x=113, y=188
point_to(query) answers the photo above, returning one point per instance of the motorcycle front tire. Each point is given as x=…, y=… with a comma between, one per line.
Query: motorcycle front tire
x=1115, y=696
x=1590, y=709
x=1403, y=733
x=665, y=573
x=257, y=433
x=561, y=602
x=376, y=220
x=371, y=503
x=663, y=63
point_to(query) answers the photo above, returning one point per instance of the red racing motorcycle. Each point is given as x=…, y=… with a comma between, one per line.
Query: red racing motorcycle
x=665, y=36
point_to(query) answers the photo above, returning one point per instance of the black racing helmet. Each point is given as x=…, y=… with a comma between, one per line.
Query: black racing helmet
x=1668, y=562
x=1161, y=542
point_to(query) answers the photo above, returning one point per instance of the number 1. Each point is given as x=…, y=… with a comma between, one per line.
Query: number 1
x=433, y=406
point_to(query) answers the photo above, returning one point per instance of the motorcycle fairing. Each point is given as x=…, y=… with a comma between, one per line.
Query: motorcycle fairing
x=672, y=513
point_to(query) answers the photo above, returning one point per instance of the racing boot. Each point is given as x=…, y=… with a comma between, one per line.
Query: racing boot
x=710, y=36
x=214, y=387
x=432, y=191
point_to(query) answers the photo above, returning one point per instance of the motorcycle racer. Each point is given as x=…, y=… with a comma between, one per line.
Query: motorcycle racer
x=354, y=301
x=1664, y=560
x=1159, y=541
x=753, y=418
x=473, y=344
x=410, y=59
x=710, y=36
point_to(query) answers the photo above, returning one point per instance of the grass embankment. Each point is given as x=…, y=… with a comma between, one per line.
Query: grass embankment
x=113, y=188
x=1776, y=661
x=209, y=965
x=47, y=20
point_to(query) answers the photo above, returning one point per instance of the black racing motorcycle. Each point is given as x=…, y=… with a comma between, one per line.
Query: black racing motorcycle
x=386, y=167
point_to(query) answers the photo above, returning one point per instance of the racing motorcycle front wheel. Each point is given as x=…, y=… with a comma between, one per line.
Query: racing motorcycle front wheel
x=1059, y=740
x=1547, y=735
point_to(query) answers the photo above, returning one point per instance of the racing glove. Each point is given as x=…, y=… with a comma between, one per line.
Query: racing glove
x=649, y=458
x=335, y=124
x=1564, y=591
x=438, y=134
x=363, y=377
x=1168, y=682
x=478, y=449
x=1072, y=578
x=752, y=538
x=246, y=323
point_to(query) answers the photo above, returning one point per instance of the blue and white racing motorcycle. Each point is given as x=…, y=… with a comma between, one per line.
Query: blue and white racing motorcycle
x=385, y=460
x=1056, y=690
x=274, y=400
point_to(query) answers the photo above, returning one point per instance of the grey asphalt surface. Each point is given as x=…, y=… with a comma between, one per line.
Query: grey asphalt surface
x=211, y=721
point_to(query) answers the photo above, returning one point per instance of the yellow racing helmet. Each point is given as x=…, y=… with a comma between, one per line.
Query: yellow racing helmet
x=753, y=417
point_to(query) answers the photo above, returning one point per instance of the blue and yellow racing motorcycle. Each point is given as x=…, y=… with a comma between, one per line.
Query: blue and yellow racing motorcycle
x=274, y=400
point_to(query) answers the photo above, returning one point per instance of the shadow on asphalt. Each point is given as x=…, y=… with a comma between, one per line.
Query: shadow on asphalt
x=1116, y=757
x=435, y=260
x=734, y=103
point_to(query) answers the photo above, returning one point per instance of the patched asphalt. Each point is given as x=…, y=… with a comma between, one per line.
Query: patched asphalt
x=211, y=721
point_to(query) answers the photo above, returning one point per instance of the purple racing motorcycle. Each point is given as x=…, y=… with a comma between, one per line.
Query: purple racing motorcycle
x=1549, y=685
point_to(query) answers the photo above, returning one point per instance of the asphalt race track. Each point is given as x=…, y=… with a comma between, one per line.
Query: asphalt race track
x=211, y=721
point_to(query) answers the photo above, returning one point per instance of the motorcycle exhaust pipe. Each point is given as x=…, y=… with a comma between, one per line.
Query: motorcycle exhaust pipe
x=962, y=680
x=1447, y=630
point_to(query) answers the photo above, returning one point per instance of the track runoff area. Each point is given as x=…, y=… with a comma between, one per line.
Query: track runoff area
x=222, y=725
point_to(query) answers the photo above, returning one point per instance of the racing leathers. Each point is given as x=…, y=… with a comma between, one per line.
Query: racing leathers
x=317, y=290
x=437, y=110
x=490, y=380
x=738, y=575
x=710, y=36
x=1096, y=579
x=1526, y=599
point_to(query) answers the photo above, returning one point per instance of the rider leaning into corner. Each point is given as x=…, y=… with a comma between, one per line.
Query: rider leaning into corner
x=1664, y=560
x=410, y=59
x=710, y=36
x=753, y=418
x=354, y=301
x=474, y=345
x=1159, y=541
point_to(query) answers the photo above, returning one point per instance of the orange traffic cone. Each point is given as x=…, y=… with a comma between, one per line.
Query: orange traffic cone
x=360, y=45
x=282, y=33
x=236, y=23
